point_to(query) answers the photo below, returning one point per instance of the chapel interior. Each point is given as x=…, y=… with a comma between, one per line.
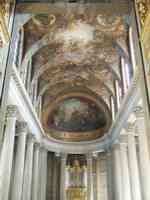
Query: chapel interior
x=74, y=99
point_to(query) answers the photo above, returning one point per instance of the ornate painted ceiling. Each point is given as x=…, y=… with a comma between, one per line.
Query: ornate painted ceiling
x=76, y=47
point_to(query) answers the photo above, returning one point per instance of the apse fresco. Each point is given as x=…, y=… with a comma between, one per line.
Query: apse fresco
x=77, y=115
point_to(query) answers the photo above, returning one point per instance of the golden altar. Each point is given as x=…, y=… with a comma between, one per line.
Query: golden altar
x=76, y=193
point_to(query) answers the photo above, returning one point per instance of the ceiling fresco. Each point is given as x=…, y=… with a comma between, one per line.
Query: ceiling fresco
x=76, y=114
x=75, y=48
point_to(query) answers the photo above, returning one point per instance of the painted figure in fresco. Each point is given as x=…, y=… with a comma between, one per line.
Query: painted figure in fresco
x=77, y=115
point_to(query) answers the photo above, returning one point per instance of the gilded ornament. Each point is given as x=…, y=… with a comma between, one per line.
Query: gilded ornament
x=143, y=9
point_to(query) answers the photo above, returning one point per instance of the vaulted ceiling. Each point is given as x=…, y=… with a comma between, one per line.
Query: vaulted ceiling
x=75, y=50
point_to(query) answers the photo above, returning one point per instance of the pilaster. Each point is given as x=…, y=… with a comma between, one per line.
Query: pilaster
x=63, y=177
x=133, y=163
x=144, y=156
x=7, y=152
x=27, y=183
x=17, y=184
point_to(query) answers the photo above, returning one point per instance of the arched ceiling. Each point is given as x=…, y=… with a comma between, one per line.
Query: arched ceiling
x=75, y=48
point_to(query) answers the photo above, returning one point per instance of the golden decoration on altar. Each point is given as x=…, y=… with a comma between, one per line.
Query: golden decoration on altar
x=76, y=190
x=78, y=193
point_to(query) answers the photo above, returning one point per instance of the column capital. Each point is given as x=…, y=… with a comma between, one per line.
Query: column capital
x=21, y=126
x=89, y=156
x=37, y=145
x=57, y=154
x=130, y=127
x=64, y=156
x=139, y=112
x=11, y=111
x=43, y=149
x=116, y=145
x=31, y=138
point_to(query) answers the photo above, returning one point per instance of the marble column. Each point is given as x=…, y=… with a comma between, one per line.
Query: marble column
x=126, y=186
x=89, y=177
x=63, y=177
x=17, y=183
x=109, y=175
x=54, y=179
x=7, y=152
x=27, y=183
x=117, y=172
x=36, y=173
x=133, y=163
x=94, y=177
x=98, y=177
x=144, y=156
x=43, y=173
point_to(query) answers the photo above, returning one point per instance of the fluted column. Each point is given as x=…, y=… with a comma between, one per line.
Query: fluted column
x=117, y=172
x=36, y=175
x=133, y=163
x=109, y=175
x=143, y=153
x=63, y=177
x=98, y=177
x=7, y=152
x=89, y=177
x=126, y=186
x=43, y=173
x=17, y=184
x=94, y=177
x=27, y=183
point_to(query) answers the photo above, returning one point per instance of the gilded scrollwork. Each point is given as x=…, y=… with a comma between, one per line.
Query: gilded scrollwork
x=143, y=9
